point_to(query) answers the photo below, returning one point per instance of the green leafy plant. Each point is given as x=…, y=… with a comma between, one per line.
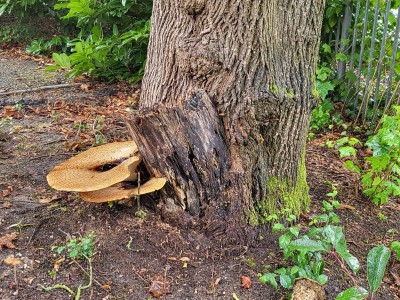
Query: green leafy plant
x=45, y=47
x=382, y=178
x=377, y=260
x=395, y=247
x=321, y=115
x=113, y=37
x=305, y=251
x=305, y=254
x=79, y=248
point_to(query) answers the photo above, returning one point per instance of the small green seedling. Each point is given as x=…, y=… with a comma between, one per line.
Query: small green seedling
x=80, y=248
x=395, y=247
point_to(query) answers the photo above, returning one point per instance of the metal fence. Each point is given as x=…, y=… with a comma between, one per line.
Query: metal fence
x=368, y=34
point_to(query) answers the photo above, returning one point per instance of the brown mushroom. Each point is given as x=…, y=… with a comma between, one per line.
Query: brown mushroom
x=82, y=173
x=121, y=191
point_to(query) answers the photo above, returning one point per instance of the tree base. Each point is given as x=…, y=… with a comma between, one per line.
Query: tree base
x=284, y=198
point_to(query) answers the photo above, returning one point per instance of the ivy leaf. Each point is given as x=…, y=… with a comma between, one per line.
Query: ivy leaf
x=349, y=165
x=269, y=278
x=294, y=230
x=353, y=293
x=322, y=279
x=305, y=244
x=347, y=151
x=376, y=265
x=286, y=281
x=395, y=246
x=379, y=163
x=324, y=88
x=341, y=57
x=278, y=227
x=327, y=48
x=342, y=141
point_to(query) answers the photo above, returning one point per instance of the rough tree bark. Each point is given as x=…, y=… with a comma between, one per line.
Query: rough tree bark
x=225, y=107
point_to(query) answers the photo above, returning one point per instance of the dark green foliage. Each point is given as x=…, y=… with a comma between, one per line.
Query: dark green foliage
x=113, y=37
x=305, y=253
x=108, y=40
x=382, y=178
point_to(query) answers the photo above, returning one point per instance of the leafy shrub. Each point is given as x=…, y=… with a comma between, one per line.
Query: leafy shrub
x=112, y=41
x=321, y=115
x=382, y=178
x=43, y=47
x=23, y=8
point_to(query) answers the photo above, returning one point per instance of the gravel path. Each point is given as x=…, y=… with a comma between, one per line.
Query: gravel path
x=24, y=74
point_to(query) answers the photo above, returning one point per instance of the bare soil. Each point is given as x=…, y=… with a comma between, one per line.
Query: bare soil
x=39, y=130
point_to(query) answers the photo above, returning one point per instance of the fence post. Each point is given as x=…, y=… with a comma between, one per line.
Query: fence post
x=343, y=46
x=370, y=56
x=395, y=44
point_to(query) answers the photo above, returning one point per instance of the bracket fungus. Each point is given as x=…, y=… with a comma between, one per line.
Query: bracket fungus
x=122, y=191
x=103, y=173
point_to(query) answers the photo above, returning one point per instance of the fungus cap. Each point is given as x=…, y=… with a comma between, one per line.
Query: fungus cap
x=81, y=173
x=120, y=191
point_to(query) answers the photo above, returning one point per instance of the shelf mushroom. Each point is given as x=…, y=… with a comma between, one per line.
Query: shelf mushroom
x=99, y=173
x=122, y=191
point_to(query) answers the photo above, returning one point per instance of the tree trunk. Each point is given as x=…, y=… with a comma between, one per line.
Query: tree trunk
x=225, y=108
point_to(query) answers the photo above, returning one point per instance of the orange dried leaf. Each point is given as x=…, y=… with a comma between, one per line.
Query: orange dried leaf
x=217, y=281
x=6, y=241
x=57, y=263
x=172, y=258
x=6, y=192
x=106, y=287
x=7, y=204
x=246, y=282
x=12, y=261
x=158, y=287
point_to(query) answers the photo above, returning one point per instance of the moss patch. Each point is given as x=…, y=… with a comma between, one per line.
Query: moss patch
x=284, y=198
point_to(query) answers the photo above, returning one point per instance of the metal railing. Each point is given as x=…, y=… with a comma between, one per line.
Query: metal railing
x=372, y=48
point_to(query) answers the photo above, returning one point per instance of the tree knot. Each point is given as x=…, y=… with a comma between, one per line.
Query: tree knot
x=194, y=7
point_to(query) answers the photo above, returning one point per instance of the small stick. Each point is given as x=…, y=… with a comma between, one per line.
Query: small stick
x=42, y=88
x=138, y=197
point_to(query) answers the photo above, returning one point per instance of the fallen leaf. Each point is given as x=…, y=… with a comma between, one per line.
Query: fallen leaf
x=346, y=206
x=106, y=287
x=49, y=200
x=9, y=111
x=6, y=241
x=85, y=87
x=7, y=204
x=59, y=104
x=172, y=258
x=246, y=282
x=12, y=261
x=57, y=263
x=159, y=287
x=217, y=281
x=29, y=280
x=6, y=192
